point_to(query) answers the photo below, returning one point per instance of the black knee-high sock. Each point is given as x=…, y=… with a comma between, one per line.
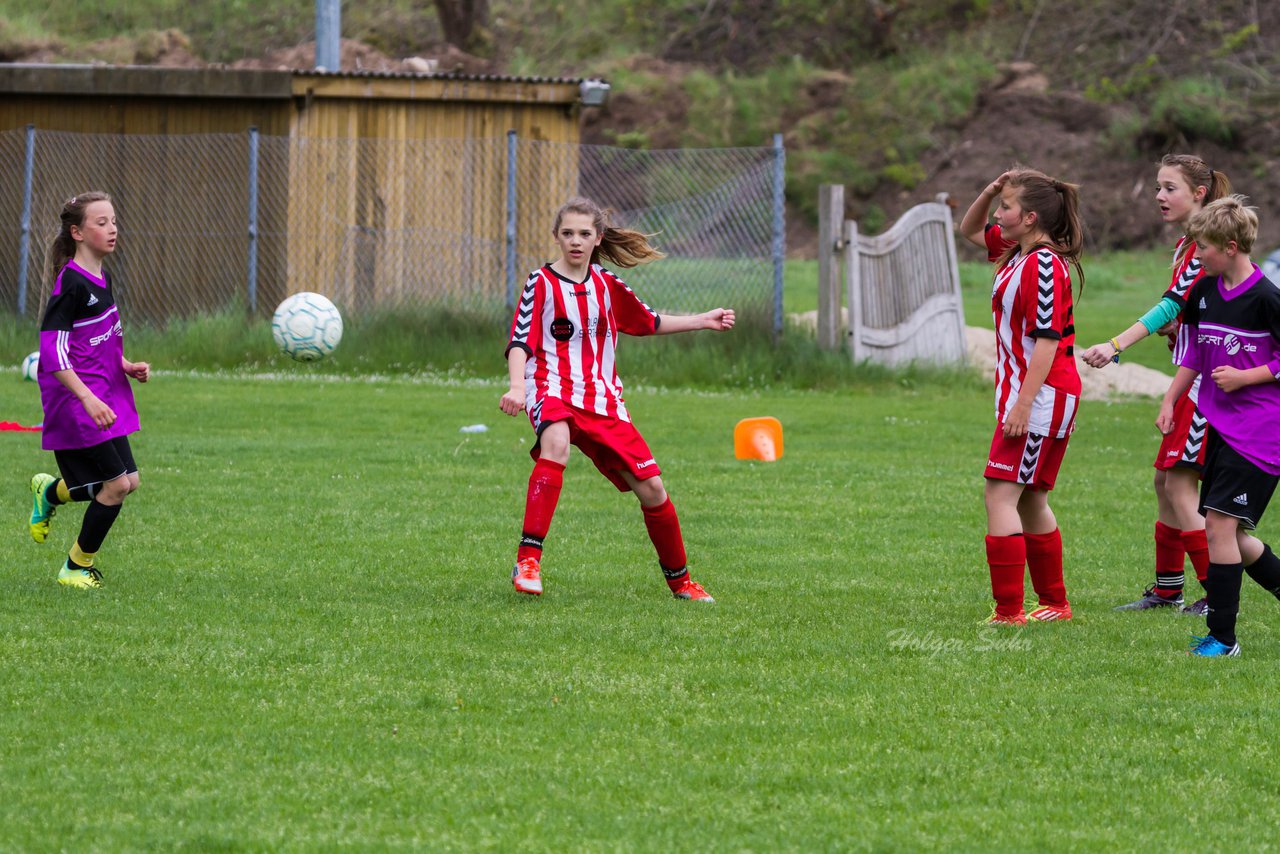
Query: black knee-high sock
x=98, y=518
x=1223, y=585
x=1266, y=571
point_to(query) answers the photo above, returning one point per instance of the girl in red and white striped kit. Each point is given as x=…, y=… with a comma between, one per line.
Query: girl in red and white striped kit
x=1037, y=236
x=560, y=357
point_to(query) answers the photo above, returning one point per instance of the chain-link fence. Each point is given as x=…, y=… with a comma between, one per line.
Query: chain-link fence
x=241, y=220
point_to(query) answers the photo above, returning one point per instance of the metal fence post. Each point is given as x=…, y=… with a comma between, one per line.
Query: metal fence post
x=779, y=228
x=512, y=142
x=253, y=219
x=24, y=242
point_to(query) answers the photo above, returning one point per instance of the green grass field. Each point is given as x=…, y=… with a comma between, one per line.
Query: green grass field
x=308, y=639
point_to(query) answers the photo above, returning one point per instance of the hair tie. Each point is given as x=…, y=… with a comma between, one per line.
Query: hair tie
x=71, y=201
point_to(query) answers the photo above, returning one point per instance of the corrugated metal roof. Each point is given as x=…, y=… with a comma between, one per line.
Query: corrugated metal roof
x=438, y=75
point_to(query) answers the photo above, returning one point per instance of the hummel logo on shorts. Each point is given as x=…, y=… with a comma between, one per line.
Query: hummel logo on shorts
x=1242, y=498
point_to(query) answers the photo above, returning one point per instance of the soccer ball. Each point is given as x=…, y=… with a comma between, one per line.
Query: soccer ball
x=306, y=327
x=30, y=366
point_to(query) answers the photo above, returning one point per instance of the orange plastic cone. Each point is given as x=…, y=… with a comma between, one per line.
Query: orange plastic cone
x=758, y=439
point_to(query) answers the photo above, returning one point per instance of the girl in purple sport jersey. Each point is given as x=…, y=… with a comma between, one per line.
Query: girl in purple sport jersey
x=1231, y=337
x=84, y=387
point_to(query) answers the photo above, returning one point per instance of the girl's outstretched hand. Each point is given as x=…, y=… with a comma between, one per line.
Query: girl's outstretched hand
x=1099, y=355
x=720, y=319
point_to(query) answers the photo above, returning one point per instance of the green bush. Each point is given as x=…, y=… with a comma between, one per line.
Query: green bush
x=1197, y=108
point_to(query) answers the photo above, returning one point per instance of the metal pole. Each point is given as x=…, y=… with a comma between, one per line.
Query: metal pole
x=24, y=242
x=328, y=35
x=253, y=219
x=779, y=228
x=512, y=142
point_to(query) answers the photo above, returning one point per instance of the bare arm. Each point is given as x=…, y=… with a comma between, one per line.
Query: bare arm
x=719, y=319
x=974, y=224
x=1182, y=381
x=1015, y=424
x=1231, y=379
x=101, y=414
x=1100, y=355
x=512, y=401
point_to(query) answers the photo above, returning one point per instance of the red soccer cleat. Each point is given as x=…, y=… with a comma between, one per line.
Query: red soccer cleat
x=1049, y=613
x=692, y=591
x=527, y=576
x=998, y=619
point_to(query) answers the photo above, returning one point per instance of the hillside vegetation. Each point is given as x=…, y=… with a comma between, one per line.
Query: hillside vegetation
x=896, y=100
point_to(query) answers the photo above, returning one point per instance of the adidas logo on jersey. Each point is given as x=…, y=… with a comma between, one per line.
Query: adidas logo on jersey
x=1203, y=304
x=93, y=300
x=1242, y=498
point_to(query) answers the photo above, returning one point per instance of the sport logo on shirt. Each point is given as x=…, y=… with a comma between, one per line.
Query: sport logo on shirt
x=1232, y=343
x=93, y=300
x=562, y=329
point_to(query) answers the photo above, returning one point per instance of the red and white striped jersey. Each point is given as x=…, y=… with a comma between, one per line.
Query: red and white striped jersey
x=1031, y=299
x=570, y=330
x=1187, y=273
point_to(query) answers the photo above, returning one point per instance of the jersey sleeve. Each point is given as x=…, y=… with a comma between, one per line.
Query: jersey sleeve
x=1047, y=295
x=55, y=328
x=996, y=244
x=1273, y=323
x=524, y=332
x=629, y=311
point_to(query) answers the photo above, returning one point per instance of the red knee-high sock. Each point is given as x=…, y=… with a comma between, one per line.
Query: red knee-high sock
x=664, y=530
x=1044, y=560
x=1197, y=546
x=1170, y=558
x=539, y=506
x=1007, y=559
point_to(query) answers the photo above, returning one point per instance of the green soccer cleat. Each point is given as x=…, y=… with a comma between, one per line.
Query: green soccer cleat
x=85, y=578
x=41, y=508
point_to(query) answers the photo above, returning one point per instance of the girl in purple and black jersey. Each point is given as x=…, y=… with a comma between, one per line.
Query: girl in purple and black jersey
x=1231, y=336
x=84, y=386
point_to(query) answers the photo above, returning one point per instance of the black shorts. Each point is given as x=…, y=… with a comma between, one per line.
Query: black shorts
x=96, y=465
x=1233, y=486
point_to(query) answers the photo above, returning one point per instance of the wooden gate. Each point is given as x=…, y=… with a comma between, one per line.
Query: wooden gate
x=902, y=290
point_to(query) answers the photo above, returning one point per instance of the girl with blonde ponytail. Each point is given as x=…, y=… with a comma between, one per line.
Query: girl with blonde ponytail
x=561, y=364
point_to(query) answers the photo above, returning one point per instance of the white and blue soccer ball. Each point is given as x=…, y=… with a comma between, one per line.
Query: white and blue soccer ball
x=30, y=366
x=307, y=327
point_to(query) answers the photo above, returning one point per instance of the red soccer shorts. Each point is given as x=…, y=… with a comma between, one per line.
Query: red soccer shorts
x=1184, y=445
x=612, y=444
x=1029, y=459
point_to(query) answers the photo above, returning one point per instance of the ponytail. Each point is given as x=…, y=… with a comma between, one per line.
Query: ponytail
x=1056, y=205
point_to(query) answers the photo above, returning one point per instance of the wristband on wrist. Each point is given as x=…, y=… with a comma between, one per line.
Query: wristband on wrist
x=1115, y=345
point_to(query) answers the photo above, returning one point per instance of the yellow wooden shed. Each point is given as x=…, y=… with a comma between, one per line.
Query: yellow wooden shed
x=354, y=168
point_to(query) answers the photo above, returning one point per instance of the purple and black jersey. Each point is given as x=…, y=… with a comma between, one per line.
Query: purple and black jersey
x=81, y=331
x=1239, y=328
